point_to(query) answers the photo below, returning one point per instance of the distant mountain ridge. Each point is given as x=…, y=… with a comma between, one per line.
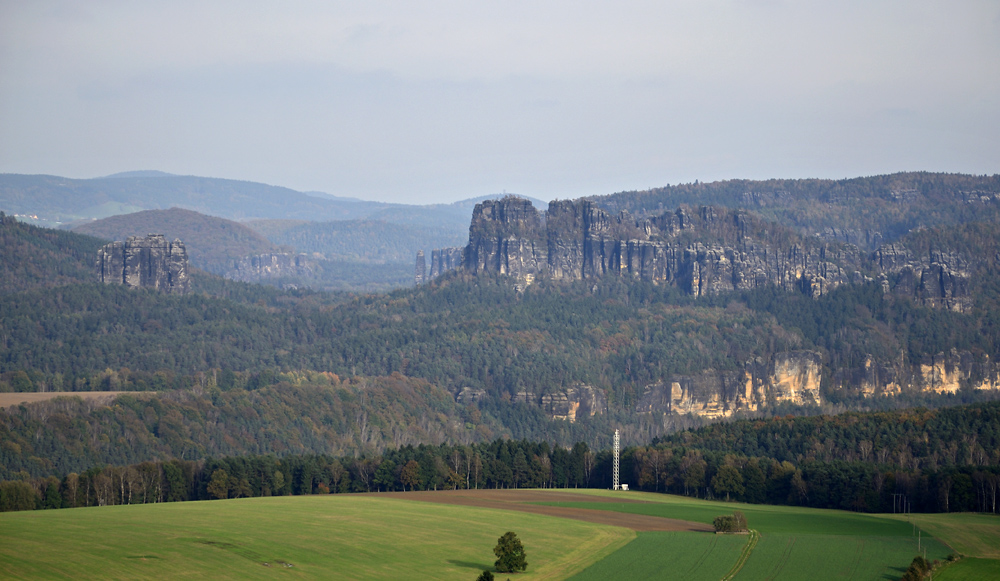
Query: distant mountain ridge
x=56, y=200
x=53, y=201
x=143, y=173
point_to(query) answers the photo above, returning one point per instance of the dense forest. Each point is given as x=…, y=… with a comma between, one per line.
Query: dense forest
x=33, y=257
x=478, y=332
x=877, y=208
x=916, y=460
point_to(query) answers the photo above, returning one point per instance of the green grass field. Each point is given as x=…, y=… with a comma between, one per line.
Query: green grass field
x=796, y=543
x=970, y=569
x=333, y=536
x=371, y=537
x=975, y=535
x=659, y=555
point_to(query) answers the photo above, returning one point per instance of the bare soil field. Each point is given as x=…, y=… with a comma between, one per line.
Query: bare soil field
x=522, y=500
x=12, y=399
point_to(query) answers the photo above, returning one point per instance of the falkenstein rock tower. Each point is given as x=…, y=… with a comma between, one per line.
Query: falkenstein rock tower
x=146, y=262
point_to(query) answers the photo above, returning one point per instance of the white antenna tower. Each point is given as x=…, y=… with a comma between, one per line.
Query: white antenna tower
x=617, y=448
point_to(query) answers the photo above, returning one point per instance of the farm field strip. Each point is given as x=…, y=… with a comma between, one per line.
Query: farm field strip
x=8, y=400
x=805, y=556
x=970, y=569
x=543, y=502
x=795, y=543
x=662, y=554
x=763, y=518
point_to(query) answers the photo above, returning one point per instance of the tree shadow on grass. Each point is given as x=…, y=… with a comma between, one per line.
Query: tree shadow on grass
x=901, y=570
x=470, y=565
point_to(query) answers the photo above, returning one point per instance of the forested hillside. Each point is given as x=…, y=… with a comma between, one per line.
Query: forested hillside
x=476, y=332
x=866, y=211
x=32, y=257
x=224, y=413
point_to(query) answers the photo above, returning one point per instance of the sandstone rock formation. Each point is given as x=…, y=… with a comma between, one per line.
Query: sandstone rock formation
x=569, y=404
x=946, y=372
x=445, y=259
x=147, y=262
x=271, y=266
x=939, y=279
x=864, y=239
x=796, y=377
x=791, y=377
x=574, y=402
x=420, y=274
x=705, y=251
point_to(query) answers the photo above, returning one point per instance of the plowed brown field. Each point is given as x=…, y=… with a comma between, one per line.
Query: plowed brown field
x=13, y=399
x=522, y=500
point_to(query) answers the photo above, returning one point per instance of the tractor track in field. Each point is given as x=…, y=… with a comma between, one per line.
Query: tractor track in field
x=524, y=501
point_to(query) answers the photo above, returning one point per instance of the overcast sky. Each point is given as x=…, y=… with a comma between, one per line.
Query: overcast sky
x=439, y=101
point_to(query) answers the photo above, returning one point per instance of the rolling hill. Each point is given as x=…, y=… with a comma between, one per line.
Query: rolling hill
x=213, y=244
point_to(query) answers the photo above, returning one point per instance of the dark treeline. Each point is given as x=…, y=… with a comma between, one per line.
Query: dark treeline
x=960, y=435
x=497, y=464
x=919, y=476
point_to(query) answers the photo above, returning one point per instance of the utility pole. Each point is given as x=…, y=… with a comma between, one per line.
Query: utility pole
x=617, y=483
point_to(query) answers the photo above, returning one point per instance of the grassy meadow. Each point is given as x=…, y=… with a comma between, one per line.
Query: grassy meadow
x=330, y=536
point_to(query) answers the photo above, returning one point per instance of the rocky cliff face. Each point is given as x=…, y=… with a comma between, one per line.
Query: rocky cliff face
x=868, y=240
x=569, y=404
x=939, y=279
x=795, y=378
x=703, y=251
x=420, y=273
x=445, y=259
x=147, y=262
x=943, y=373
x=706, y=251
x=792, y=377
x=506, y=237
x=271, y=266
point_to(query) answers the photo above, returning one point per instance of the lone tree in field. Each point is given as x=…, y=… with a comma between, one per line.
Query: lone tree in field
x=485, y=576
x=730, y=523
x=510, y=554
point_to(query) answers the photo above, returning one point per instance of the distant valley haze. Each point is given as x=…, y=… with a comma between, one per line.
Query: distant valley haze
x=436, y=102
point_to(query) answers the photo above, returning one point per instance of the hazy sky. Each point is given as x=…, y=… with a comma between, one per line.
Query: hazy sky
x=438, y=101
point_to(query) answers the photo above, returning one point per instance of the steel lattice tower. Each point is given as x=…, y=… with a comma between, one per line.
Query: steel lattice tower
x=617, y=448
